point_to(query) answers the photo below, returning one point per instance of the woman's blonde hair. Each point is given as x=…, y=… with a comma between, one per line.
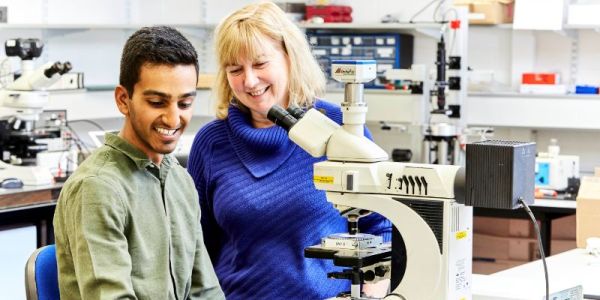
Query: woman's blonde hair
x=240, y=36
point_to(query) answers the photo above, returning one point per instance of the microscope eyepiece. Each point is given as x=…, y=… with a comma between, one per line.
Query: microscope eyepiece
x=296, y=111
x=57, y=67
x=66, y=68
x=281, y=117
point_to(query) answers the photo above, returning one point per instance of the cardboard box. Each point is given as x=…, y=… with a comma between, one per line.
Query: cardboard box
x=503, y=248
x=502, y=227
x=489, y=11
x=559, y=246
x=490, y=267
x=540, y=78
x=564, y=228
x=588, y=210
x=556, y=246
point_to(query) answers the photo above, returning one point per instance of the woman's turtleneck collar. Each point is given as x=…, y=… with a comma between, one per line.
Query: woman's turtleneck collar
x=261, y=150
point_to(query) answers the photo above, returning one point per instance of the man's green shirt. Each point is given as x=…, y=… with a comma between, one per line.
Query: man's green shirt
x=128, y=229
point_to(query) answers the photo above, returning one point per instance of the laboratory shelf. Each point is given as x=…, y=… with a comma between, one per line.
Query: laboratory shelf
x=428, y=29
x=370, y=26
x=533, y=111
x=84, y=104
x=580, y=112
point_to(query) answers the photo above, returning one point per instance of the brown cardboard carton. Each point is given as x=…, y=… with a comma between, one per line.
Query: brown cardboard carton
x=493, y=11
x=588, y=210
x=556, y=246
x=564, y=228
x=560, y=246
x=503, y=248
x=489, y=267
x=502, y=227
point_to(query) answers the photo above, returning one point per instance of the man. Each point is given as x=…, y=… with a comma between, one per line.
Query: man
x=126, y=223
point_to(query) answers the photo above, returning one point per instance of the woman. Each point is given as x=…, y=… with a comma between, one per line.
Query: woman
x=259, y=206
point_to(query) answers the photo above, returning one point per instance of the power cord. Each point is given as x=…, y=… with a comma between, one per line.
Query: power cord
x=540, y=245
x=89, y=122
x=420, y=11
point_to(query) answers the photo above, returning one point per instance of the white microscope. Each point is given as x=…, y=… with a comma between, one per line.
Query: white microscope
x=25, y=98
x=431, y=250
x=27, y=95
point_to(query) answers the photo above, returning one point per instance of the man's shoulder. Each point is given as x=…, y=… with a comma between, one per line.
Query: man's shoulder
x=102, y=169
x=181, y=173
x=90, y=181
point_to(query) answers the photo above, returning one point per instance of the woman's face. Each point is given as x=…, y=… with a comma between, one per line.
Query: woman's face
x=262, y=81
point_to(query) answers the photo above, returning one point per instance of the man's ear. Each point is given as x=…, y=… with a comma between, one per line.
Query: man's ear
x=122, y=99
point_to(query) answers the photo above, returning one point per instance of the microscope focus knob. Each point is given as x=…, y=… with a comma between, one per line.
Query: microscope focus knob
x=381, y=271
x=369, y=275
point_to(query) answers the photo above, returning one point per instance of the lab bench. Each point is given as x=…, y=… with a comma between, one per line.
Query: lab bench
x=30, y=205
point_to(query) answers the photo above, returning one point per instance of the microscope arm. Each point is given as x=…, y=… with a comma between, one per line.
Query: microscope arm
x=423, y=268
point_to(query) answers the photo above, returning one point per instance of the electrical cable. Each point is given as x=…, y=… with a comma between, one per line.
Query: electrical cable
x=88, y=121
x=540, y=245
x=411, y=20
x=436, y=11
x=78, y=140
x=449, y=10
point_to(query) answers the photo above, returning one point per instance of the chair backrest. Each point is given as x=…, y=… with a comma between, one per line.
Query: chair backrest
x=41, y=275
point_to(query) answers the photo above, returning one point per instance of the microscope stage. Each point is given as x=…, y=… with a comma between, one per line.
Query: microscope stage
x=351, y=258
x=351, y=241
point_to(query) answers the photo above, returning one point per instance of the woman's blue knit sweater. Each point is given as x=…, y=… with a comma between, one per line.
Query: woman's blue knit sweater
x=260, y=210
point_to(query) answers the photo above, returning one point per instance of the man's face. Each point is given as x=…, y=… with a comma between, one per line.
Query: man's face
x=159, y=109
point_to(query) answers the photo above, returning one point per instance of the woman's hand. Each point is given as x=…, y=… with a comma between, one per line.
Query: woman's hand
x=376, y=290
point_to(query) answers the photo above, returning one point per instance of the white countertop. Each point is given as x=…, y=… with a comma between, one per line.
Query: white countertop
x=565, y=270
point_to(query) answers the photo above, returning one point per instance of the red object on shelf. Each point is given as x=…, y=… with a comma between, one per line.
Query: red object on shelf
x=455, y=24
x=330, y=13
x=540, y=78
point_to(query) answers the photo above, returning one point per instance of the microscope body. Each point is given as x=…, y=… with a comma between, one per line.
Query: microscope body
x=429, y=205
x=27, y=94
x=430, y=253
x=26, y=97
x=431, y=249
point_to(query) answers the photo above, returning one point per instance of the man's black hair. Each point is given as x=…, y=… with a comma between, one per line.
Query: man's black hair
x=157, y=45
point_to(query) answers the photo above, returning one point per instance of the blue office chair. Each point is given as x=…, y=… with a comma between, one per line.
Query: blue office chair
x=41, y=274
